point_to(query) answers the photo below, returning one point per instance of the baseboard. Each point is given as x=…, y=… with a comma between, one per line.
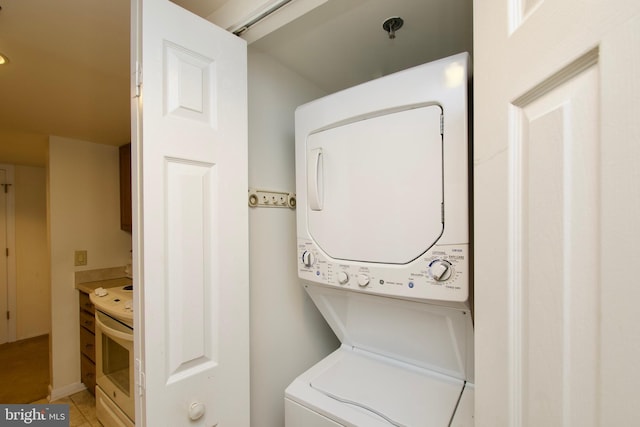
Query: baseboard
x=65, y=391
x=34, y=335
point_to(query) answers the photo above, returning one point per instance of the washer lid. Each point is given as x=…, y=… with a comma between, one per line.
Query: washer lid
x=396, y=393
x=375, y=188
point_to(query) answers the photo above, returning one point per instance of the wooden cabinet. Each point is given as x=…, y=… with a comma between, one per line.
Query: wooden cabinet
x=125, y=187
x=87, y=343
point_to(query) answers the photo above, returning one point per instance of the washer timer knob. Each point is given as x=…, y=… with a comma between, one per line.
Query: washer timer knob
x=440, y=270
x=308, y=259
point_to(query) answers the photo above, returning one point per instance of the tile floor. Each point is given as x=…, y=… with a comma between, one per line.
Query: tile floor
x=82, y=409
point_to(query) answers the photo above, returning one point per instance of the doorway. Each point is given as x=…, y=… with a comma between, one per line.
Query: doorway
x=24, y=279
x=7, y=284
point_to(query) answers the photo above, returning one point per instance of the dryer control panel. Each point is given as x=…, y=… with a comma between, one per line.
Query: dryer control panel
x=440, y=274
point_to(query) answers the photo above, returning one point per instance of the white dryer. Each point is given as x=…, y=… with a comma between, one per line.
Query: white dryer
x=382, y=177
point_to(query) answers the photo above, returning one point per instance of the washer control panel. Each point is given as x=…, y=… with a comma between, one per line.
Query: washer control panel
x=441, y=273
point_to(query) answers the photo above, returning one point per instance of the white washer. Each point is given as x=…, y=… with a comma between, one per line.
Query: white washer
x=382, y=177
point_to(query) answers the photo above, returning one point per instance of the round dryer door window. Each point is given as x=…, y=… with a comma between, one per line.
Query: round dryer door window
x=375, y=187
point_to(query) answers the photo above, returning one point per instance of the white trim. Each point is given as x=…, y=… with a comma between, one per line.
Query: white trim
x=518, y=13
x=65, y=391
x=566, y=74
x=515, y=264
x=12, y=304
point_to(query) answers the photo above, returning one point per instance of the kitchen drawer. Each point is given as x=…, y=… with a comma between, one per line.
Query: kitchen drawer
x=88, y=321
x=88, y=344
x=85, y=303
x=88, y=373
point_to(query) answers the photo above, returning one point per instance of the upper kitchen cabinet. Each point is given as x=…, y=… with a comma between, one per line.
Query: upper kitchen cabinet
x=125, y=188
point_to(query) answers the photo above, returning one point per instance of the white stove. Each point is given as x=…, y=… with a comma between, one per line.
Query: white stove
x=115, y=404
x=117, y=302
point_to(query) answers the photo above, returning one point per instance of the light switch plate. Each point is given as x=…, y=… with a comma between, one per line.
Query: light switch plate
x=80, y=258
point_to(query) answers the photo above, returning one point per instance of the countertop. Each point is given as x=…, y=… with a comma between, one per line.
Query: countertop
x=88, y=287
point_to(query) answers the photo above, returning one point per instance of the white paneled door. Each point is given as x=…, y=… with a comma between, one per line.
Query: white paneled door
x=557, y=202
x=191, y=231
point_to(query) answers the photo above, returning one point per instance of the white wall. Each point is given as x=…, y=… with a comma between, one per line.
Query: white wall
x=32, y=257
x=84, y=214
x=288, y=335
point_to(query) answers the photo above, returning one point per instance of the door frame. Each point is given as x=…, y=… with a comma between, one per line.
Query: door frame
x=12, y=291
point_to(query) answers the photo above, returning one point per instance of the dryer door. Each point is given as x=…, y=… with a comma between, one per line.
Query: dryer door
x=375, y=188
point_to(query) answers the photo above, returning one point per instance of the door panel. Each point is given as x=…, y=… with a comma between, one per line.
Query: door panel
x=554, y=141
x=190, y=210
x=555, y=236
x=193, y=305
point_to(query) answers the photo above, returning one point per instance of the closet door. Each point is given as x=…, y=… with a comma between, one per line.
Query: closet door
x=556, y=155
x=190, y=220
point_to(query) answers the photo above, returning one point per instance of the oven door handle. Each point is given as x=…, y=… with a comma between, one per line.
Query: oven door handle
x=110, y=331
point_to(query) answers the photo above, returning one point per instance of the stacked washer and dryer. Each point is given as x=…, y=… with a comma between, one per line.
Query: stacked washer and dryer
x=382, y=177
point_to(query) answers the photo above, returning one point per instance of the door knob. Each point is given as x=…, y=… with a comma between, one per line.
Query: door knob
x=196, y=411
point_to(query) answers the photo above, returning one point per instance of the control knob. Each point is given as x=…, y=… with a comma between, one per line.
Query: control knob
x=440, y=270
x=343, y=277
x=363, y=280
x=308, y=259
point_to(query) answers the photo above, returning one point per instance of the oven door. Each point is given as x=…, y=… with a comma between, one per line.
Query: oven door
x=114, y=361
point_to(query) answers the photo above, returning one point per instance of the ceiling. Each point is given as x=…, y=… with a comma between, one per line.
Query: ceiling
x=67, y=76
x=68, y=73
x=342, y=43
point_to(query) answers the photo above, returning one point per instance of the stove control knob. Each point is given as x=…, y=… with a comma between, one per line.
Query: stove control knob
x=363, y=280
x=343, y=277
x=308, y=259
x=441, y=270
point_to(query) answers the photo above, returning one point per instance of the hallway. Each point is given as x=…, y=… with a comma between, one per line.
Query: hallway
x=24, y=369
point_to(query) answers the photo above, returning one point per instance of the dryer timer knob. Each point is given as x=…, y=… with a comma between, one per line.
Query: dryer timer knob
x=308, y=259
x=441, y=270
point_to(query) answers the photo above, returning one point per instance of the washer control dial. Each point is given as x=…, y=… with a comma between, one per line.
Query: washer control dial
x=308, y=259
x=343, y=277
x=363, y=280
x=441, y=270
